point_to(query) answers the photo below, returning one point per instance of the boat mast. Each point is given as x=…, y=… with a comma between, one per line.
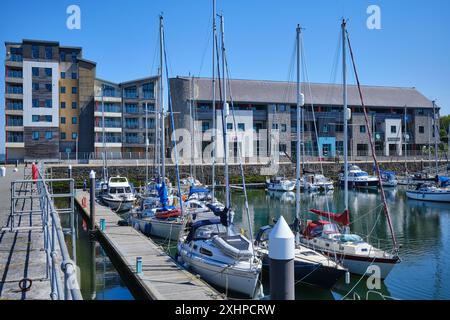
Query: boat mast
x=435, y=138
x=191, y=125
x=161, y=96
x=225, y=116
x=214, y=131
x=344, y=87
x=105, y=163
x=298, y=147
x=146, y=145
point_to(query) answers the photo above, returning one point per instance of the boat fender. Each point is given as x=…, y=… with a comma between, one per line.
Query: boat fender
x=83, y=202
x=230, y=250
x=347, y=277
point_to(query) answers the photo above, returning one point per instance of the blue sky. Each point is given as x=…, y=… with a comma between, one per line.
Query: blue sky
x=412, y=49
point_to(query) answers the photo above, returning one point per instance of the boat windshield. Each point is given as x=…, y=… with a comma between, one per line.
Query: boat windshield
x=361, y=174
x=330, y=228
x=208, y=231
x=350, y=238
x=115, y=190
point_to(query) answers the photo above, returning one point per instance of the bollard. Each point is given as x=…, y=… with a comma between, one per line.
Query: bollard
x=3, y=172
x=70, y=171
x=92, y=199
x=102, y=224
x=85, y=185
x=138, y=265
x=281, y=265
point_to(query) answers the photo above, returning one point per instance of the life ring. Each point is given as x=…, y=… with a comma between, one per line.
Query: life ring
x=168, y=214
x=184, y=197
x=83, y=202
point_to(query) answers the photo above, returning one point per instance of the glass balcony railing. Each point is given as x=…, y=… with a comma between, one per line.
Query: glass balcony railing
x=108, y=108
x=15, y=138
x=15, y=57
x=109, y=124
x=108, y=139
x=14, y=123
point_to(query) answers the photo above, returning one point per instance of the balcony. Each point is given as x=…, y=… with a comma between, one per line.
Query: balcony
x=134, y=140
x=14, y=60
x=108, y=139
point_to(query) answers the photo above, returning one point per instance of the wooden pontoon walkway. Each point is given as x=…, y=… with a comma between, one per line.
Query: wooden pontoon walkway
x=162, y=278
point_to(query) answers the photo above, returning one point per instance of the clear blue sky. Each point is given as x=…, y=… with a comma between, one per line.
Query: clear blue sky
x=412, y=49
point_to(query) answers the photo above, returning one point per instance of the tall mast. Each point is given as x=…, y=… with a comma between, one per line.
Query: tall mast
x=435, y=127
x=298, y=145
x=405, y=142
x=105, y=164
x=214, y=131
x=225, y=115
x=146, y=144
x=344, y=87
x=161, y=96
x=191, y=125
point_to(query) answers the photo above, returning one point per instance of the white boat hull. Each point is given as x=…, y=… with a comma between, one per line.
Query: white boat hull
x=221, y=275
x=118, y=205
x=440, y=196
x=285, y=187
x=165, y=229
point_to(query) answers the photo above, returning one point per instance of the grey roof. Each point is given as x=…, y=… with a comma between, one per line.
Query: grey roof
x=263, y=91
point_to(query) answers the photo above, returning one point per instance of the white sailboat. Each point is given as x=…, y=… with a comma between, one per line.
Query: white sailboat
x=280, y=184
x=333, y=237
x=211, y=248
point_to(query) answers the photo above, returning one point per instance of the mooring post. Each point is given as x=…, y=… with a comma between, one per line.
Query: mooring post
x=281, y=267
x=92, y=199
x=69, y=171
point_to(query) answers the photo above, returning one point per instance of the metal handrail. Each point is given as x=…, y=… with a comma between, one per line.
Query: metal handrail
x=54, y=240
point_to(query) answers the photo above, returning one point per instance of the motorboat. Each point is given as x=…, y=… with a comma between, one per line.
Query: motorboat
x=118, y=194
x=389, y=179
x=316, y=183
x=358, y=178
x=280, y=184
x=429, y=192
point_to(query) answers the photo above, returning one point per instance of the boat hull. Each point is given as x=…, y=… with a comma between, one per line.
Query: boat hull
x=280, y=187
x=429, y=196
x=165, y=229
x=221, y=275
x=361, y=183
x=118, y=205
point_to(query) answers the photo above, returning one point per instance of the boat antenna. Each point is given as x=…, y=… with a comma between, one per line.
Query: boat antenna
x=372, y=145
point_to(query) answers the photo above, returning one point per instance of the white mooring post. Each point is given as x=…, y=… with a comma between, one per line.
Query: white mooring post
x=281, y=268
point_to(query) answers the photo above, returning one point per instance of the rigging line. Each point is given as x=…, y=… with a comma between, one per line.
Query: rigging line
x=239, y=156
x=204, y=51
x=334, y=68
x=155, y=53
x=369, y=131
x=306, y=75
x=172, y=123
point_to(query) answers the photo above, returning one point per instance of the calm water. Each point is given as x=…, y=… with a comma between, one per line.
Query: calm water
x=99, y=278
x=422, y=229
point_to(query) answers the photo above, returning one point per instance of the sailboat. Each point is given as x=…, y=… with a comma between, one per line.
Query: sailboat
x=310, y=267
x=332, y=237
x=212, y=248
x=438, y=190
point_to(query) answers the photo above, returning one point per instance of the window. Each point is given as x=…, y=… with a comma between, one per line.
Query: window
x=282, y=147
x=241, y=126
x=35, y=135
x=35, y=71
x=362, y=129
x=205, y=126
x=281, y=108
x=74, y=120
x=130, y=92
x=35, y=86
x=48, y=135
x=421, y=129
x=74, y=135
x=35, y=118
x=35, y=52
x=109, y=91
x=63, y=105
x=325, y=128
x=362, y=150
x=74, y=75
x=283, y=128
x=63, y=75
x=48, y=118
x=74, y=57
x=274, y=126
x=147, y=89
x=229, y=126
x=63, y=135
x=63, y=89
x=62, y=56
x=74, y=90
x=74, y=105
x=63, y=120
x=35, y=103
x=48, y=53
x=48, y=103
x=339, y=128
x=48, y=72
x=48, y=86
x=393, y=129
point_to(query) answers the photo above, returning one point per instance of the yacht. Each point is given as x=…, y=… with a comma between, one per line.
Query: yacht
x=358, y=178
x=118, y=194
x=316, y=183
x=389, y=179
x=280, y=184
x=429, y=192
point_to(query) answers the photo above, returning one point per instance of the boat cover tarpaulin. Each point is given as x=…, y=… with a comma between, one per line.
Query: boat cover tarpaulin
x=341, y=218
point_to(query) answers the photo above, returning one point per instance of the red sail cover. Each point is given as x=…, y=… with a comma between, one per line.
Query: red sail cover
x=341, y=218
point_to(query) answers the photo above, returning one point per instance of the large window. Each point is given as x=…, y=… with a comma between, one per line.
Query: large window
x=48, y=53
x=147, y=89
x=48, y=135
x=35, y=71
x=35, y=135
x=48, y=103
x=35, y=52
x=130, y=92
x=48, y=72
x=109, y=91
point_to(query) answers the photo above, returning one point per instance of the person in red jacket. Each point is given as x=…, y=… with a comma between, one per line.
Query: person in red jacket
x=34, y=171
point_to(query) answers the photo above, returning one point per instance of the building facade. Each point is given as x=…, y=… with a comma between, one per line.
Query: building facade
x=400, y=118
x=45, y=94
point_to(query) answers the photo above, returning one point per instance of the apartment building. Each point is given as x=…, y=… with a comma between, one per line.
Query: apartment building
x=125, y=107
x=47, y=94
x=401, y=118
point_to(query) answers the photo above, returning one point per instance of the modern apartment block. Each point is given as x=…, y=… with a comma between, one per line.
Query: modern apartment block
x=123, y=107
x=47, y=94
x=398, y=117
